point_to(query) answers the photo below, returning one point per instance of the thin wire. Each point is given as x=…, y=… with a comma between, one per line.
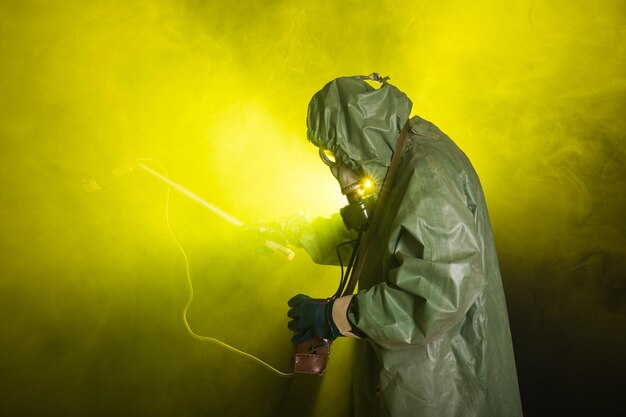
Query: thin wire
x=190, y=299
x=344, y=277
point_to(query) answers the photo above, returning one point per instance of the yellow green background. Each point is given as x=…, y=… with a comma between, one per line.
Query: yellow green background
x=92, y=286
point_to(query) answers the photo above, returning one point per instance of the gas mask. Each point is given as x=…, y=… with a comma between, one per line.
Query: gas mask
x=358, y=191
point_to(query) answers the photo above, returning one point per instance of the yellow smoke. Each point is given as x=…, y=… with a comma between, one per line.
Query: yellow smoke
x=532, y=91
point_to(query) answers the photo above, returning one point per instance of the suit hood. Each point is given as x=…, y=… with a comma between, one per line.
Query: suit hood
x=358, y=123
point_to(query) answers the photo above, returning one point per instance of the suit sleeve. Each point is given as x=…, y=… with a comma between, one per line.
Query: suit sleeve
x=435, y=272
x=320, y=238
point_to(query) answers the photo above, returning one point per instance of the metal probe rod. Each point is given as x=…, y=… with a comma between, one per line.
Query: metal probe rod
x=276, y=247
x=233, y=220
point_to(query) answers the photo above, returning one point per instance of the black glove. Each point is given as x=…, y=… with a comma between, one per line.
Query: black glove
x=311, y=318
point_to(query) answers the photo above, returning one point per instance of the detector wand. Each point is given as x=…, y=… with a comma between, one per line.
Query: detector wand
x=276, y=247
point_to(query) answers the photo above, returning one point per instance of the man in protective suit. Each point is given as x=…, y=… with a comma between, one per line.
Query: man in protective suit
x=430, y=310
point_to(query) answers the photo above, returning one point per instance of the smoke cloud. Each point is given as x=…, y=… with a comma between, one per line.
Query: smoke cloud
x=93, y=287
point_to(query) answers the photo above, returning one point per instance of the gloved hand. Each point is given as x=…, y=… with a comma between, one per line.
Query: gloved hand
x=311, y=318
x=256, y=235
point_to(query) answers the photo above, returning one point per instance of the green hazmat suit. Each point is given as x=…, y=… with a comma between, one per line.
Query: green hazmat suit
x=430, y=298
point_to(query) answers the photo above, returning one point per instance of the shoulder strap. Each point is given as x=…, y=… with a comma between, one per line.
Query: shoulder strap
x=387, y=183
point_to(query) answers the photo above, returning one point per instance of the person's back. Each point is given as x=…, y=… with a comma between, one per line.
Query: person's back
x=453, y=357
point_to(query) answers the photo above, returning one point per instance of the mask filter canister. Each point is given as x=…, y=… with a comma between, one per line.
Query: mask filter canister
x=358, y=213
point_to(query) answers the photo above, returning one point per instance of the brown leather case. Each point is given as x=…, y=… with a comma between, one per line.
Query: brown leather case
x=311, y=356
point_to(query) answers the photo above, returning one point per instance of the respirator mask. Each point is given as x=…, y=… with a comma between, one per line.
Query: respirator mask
x=358, y=191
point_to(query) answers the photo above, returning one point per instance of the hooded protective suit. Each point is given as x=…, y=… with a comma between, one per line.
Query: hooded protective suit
x=430, y=298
